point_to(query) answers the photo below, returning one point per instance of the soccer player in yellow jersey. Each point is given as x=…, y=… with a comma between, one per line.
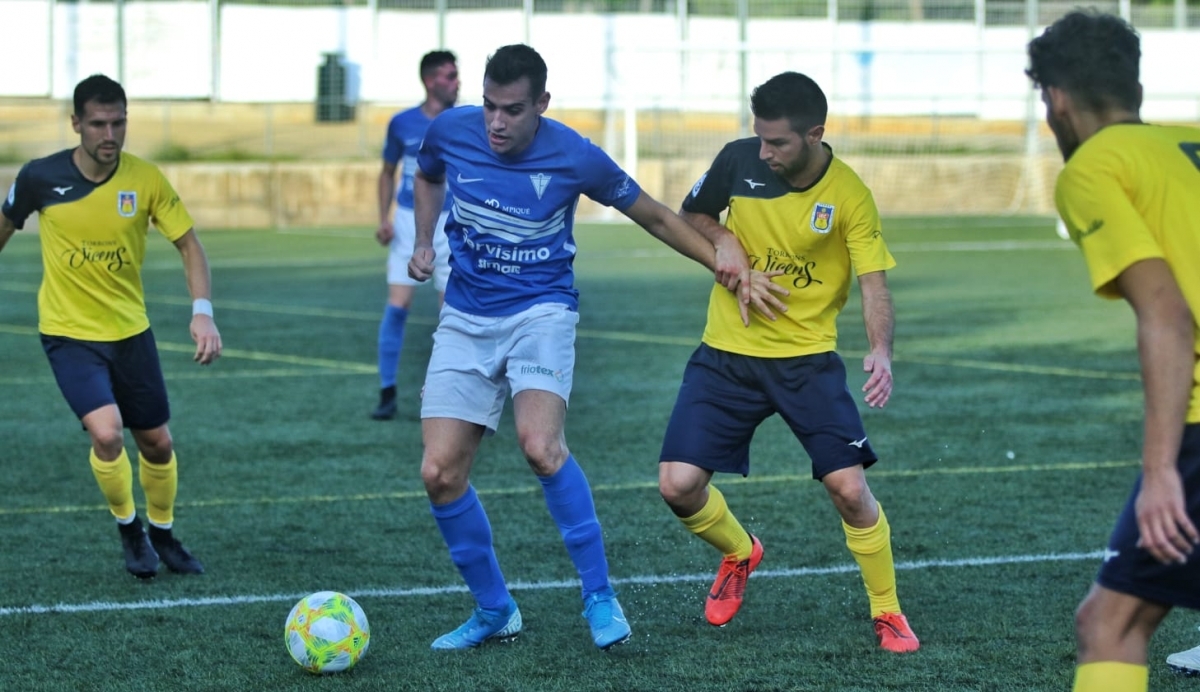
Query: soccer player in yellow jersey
x=94, y=204
x=1130, y=196
x=801, y=213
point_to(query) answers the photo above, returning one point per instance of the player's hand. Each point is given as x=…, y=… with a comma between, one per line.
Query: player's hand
x=385, y=233
x=420, y=267
x=1164, y=529
x=731, y=262
x=761, y=293
x=207, y=338
x=879, y=385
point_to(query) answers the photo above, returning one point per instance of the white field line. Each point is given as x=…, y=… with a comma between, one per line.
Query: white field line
x=651, y=580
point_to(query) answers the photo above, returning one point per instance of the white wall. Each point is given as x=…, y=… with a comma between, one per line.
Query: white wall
x=272, y=54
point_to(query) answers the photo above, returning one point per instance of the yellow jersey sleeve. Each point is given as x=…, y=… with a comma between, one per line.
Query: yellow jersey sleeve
x=1092, y=200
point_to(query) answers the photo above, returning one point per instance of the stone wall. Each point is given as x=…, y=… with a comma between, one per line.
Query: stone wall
x=287, y=195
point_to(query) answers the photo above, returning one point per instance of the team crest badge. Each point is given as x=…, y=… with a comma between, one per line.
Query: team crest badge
x=822, y=218
x=127, y=204
x=540, y=181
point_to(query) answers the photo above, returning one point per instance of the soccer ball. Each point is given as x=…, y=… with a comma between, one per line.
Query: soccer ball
x=327, y=632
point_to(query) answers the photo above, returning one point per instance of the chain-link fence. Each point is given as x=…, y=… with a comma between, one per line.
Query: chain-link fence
x=920, y=91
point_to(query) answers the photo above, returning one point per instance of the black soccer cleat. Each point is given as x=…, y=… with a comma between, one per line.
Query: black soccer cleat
x=386, y=410
x=173, y=554
x=140, y=558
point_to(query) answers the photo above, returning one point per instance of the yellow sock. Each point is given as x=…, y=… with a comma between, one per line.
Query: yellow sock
x=872, y=550
x=159, y=482
x=1111, y=676
x=116, y=482
x=717, y=526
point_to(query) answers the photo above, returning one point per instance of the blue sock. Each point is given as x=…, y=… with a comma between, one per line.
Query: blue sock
x=391, y=338
x=464, y=526
x=569, y=499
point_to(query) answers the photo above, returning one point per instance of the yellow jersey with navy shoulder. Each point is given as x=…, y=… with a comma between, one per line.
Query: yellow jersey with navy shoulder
x=1131, y=192
x=820, y=237
x=93, y=238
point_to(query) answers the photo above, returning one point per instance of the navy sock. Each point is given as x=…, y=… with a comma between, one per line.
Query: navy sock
x=391, y=339
x=464, y=526
x=569, y=499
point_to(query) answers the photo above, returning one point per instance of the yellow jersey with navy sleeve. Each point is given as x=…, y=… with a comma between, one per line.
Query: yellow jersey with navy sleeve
x=1131, y=192
x=93, y=238
x=820, y=237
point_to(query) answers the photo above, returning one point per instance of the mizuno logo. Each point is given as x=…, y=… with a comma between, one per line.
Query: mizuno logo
x=858, y=443
x=62, y=190
x=468, y=180
x=753, y=183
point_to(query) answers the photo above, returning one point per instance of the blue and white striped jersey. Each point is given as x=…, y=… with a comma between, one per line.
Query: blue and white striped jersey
x=511, y=220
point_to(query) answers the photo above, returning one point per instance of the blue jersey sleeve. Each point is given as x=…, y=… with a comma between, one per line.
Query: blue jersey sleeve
x=429, y=157
x=393, y=142
x=605, y=182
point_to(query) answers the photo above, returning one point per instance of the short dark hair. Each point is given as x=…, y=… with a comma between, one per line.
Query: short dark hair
x=793, y=96
x=510, y=63
x=1092, y=56
x=98, y=88
x=435, y=59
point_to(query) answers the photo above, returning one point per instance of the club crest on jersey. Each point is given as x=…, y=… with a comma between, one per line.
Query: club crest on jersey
x=127, y=204
x=822, y=218
x=540, y=181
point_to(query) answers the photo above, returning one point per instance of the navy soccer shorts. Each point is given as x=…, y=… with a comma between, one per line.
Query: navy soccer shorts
x=1131, y=570
x=725, y=396
x=127, y=373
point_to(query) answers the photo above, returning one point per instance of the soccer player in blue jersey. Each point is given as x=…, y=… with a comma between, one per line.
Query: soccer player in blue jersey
x=799, y=209
x=439, y=74
x=95, y=203
x=1130, y=195
x=508, y=324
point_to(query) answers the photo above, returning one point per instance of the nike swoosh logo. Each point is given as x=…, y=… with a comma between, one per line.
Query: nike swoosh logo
x=411, y=142
x=468, y=180
x=62, y=190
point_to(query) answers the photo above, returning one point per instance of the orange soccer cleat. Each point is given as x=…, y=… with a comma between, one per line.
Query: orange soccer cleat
x=725, y=598
x=894, y=633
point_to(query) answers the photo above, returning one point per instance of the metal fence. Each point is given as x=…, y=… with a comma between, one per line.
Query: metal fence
x=915, y=86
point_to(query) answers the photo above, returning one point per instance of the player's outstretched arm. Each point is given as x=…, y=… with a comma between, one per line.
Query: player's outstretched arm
x=386, y=191
x=429, y=194
x=880, y=319
x=753, y=287
x=199, y=281
x=1165, y=327
x=7, y=228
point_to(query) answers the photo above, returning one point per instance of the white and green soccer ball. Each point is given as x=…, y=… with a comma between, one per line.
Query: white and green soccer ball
x=327, y=632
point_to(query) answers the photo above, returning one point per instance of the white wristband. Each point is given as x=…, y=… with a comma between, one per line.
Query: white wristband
x=202, y=306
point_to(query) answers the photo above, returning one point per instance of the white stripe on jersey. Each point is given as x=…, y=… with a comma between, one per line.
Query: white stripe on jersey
x=506, y=226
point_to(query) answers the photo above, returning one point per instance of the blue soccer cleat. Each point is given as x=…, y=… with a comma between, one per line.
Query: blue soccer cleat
x=605, y=617
x=501, y=625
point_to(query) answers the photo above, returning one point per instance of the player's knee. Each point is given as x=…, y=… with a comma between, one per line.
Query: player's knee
x=108, y=441
x=850, y=494
x=157, y=450
x=683, y=493
x=442, y=479
x=545, y=453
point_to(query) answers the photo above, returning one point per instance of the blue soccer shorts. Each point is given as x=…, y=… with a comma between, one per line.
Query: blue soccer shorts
x=1134, y=571
x=725, y=396
x=92, y=374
